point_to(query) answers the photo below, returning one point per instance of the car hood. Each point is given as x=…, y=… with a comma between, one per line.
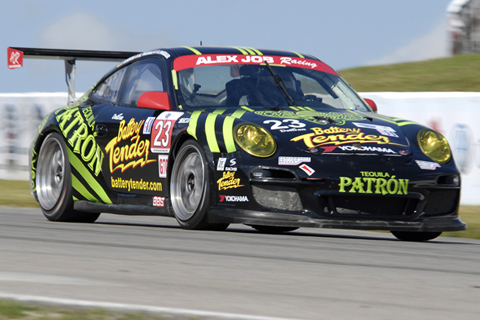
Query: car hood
x=337, y=132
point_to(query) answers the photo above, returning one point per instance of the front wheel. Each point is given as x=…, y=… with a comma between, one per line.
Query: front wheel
x=415, y=236
x=190, y=188
x=54, y=183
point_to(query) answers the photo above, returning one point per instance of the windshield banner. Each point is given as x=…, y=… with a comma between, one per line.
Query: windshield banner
x=192, y=61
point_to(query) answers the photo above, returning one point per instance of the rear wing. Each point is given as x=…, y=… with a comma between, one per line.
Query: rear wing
x=17, y=54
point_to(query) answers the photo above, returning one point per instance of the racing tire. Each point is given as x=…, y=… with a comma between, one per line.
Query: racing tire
x=190, y=188
x=415, y=236
x=271, y=229
x=53, y=182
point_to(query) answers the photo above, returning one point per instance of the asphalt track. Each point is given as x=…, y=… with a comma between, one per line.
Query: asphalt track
x=151, y=264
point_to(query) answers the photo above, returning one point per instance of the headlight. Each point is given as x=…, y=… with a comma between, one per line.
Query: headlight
x=255, y=140
x=434, y=145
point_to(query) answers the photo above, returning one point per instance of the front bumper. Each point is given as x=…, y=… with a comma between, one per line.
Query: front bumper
x=429, y=205
x=311, y=220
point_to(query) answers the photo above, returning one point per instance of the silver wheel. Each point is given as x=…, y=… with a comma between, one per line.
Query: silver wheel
x=50, y=173
x=188, y=183
x=54, y=183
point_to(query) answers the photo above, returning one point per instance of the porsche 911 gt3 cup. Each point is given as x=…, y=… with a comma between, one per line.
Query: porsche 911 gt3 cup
x=276, y=140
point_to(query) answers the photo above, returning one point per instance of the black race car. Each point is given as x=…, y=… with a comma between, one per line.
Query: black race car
x=276, y=140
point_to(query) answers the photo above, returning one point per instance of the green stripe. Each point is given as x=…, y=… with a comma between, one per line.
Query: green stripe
x=175, y=79
x=210, y=133
x=238, y=113
x=219, y=111
x=77, y=185
x=192, y=125
x=406, y=123
x=298, y=54
x=228, y=134
x=247, y=108
x=241, y=51
x=194, y=50
x=92, y=182
x=250, y=51
x=257, y=51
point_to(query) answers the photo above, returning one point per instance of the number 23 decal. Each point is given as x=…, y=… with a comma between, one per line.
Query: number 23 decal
x=284, y=124
x=162, y=128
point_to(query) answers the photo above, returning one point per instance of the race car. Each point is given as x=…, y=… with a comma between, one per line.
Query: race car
x=211, y=136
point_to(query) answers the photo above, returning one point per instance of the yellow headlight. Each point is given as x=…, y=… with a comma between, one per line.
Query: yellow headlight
x=434, y=145
x=255, y=140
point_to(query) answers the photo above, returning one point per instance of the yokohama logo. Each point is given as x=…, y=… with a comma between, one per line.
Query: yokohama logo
x=224, y=198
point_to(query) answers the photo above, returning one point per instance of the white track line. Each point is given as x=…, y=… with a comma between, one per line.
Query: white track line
x=132, y=307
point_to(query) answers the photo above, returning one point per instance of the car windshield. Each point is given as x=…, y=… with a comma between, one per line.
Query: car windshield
x=235, y=84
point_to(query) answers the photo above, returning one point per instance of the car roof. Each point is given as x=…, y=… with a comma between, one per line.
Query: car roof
x=183, y=51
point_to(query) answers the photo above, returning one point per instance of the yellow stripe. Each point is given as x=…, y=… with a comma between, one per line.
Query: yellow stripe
x=258, y=52
x=241, y=50
x=247, y=108
x=77, y=185
x=406, y=123
x=175, y=79
x=192, y=125
x=298, y=54
x=250, y=51
x=239, y=113
x=219, y=111
x=92, y=182
x=228, y=134
x=194, y=50
x=210, y=133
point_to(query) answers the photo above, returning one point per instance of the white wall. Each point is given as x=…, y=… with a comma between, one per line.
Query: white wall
x=455, y=114
x=20, y=115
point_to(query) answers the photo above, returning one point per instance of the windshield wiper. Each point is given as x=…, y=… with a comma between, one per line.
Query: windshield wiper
x=281, y=85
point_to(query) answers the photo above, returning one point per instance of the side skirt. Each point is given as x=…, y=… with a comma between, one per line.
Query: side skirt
x=125, y=209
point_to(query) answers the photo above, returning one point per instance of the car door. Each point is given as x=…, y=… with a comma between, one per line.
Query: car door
x=130, y=168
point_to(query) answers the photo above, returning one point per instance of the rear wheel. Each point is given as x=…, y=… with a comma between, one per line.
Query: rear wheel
x=190, y=188
x=54, y=183
x=415, y=236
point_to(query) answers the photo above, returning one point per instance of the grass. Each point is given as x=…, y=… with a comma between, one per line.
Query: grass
x=13, y=310
x=458, y=73
x=16, y=194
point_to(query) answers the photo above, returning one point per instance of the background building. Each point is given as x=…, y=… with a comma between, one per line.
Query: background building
x=464, y=26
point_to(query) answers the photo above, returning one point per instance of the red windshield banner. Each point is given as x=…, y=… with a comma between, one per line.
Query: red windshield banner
x=192, y=61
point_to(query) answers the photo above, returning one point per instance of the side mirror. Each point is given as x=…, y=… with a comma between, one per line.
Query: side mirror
x=371, y=104
x=154, y=100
